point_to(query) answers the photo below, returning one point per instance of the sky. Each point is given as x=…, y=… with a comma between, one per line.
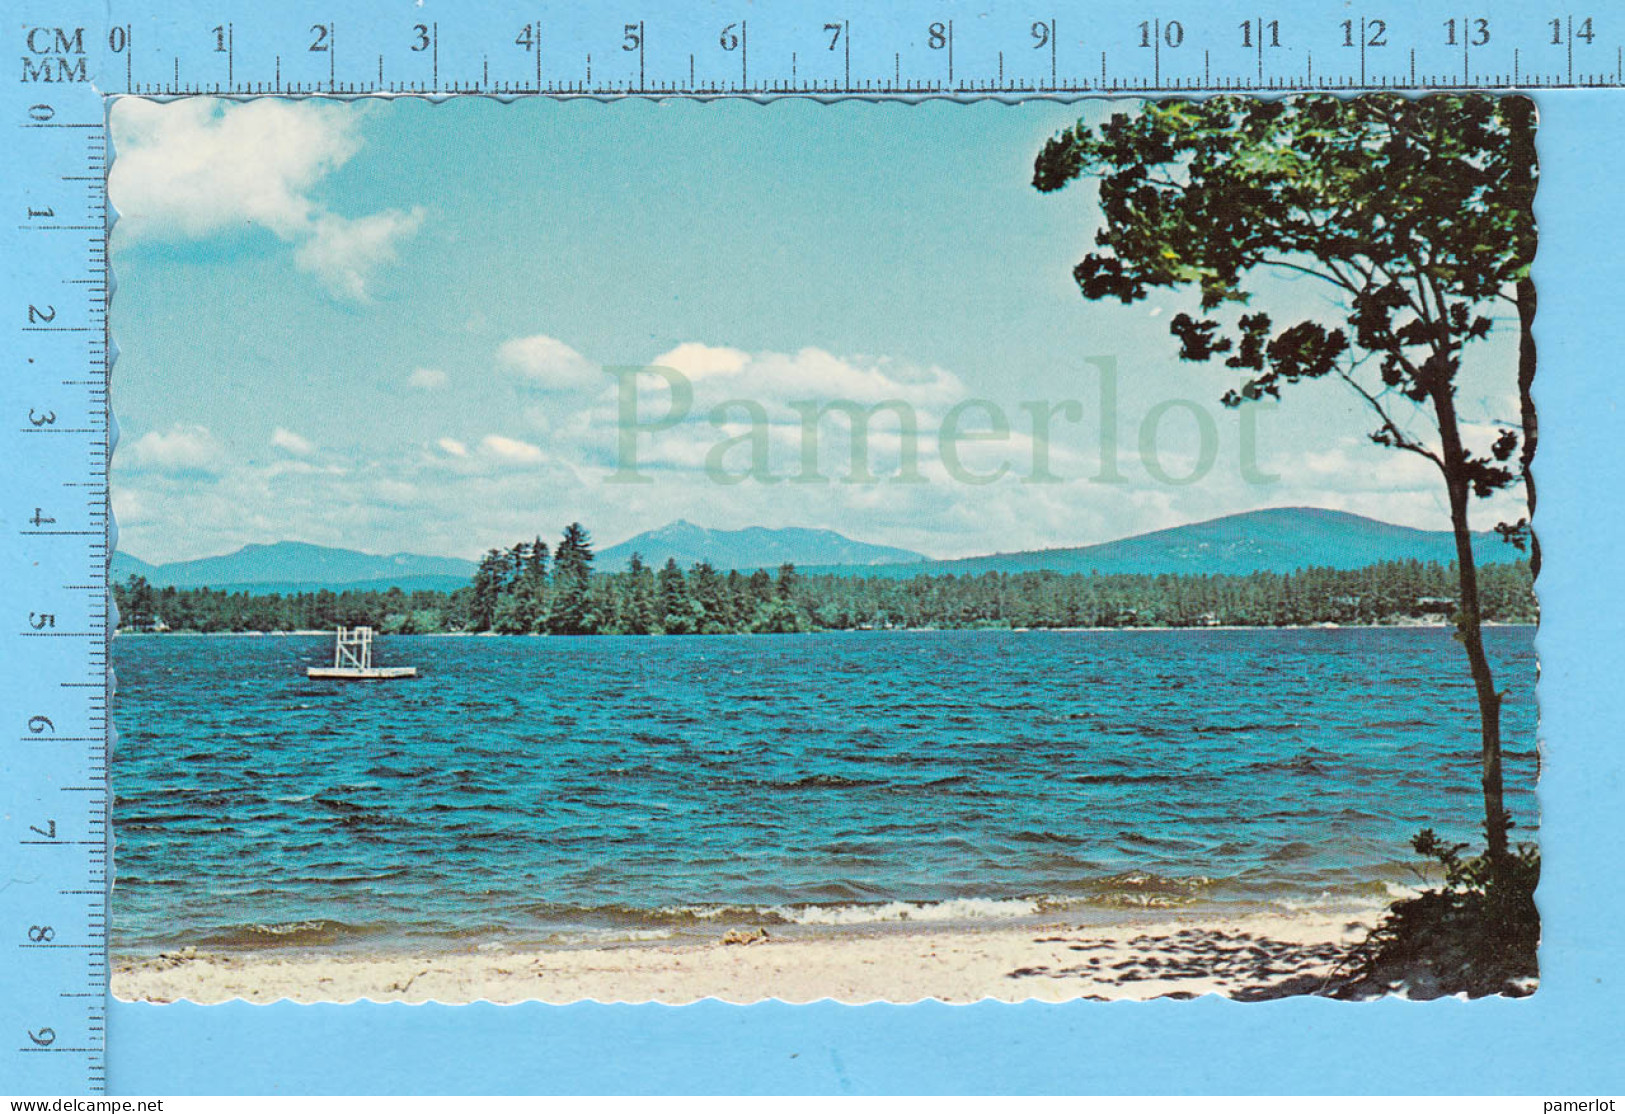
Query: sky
x=395, y=326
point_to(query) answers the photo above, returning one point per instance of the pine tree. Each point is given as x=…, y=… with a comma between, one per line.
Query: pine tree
x=136, y=604
x=711, y=609
x=511, y=616
x=638, y=613
x=672, y=601
x=571, y=612
x=759, y=589
x=781, y=614
x=530, y=590
x=487, y=590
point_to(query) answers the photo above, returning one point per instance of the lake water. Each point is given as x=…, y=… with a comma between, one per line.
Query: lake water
x=555, y=790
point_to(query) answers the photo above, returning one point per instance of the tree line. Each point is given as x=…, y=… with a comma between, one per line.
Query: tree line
x=530, y=589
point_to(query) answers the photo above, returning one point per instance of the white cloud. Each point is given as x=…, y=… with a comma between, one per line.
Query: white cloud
x=811, y=373
x=1352, y=465
x=426, y=378
x=549, y=364
x=191, y=169
x=290, y=441
x=130, y=508
x=181, y=493
x=508, y=450
x=404, y=501
x=538, y=418
x=182, y=448
x=776, y=386
x=343, y=253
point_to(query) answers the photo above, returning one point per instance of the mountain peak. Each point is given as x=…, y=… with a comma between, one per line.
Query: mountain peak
x=1272, y=539
x=750, y=548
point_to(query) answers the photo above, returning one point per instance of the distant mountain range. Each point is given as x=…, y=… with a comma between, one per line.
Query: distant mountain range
x=1280, y=540
x=755, y=547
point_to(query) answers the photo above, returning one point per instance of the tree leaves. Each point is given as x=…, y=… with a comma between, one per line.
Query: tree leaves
x=1416, y=210
x=1196, y=337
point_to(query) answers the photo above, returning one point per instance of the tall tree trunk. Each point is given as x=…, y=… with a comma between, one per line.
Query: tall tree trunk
x=1526, y=404
x=1469, y=624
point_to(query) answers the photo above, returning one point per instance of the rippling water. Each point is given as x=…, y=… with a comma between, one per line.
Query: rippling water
x=556, y=789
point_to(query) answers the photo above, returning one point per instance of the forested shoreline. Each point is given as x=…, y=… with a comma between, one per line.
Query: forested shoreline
x=528, y=589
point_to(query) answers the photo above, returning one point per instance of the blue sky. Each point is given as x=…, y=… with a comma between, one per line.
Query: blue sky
x=384, y=326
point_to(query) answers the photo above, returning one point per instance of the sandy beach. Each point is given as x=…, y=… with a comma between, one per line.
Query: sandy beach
x=1251, y=957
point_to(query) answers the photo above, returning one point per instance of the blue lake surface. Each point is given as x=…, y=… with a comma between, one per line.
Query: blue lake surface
x=555, y=790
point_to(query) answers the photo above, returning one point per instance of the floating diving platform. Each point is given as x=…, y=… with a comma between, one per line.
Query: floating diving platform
x=352, y=660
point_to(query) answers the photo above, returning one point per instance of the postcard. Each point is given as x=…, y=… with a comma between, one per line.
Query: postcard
x=657, y=550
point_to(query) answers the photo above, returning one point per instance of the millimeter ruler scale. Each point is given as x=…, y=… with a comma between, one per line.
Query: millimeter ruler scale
x=67, y=60
x=735, y=48
x=54, y=538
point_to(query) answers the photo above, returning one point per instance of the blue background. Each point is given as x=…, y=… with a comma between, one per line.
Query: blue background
x=1563, y=1040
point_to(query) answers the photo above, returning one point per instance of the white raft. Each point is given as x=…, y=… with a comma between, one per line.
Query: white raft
x=352, y=660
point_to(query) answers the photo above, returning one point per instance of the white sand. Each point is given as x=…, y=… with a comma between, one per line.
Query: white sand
x=1253, y=956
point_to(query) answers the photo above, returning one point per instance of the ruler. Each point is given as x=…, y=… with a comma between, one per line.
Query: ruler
x=55, y=529
x=766, y=50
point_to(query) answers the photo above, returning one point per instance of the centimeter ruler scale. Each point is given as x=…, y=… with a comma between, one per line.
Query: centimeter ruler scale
x=750, y=49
